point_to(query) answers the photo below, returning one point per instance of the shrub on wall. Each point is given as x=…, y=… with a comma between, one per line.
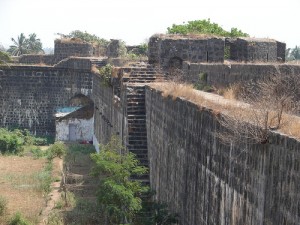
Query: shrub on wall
x=106, y=72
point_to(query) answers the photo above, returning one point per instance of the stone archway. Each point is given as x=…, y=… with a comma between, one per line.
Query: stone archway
x=175, y=67
x=175, y=63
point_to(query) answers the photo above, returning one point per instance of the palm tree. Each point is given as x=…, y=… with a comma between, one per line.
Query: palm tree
x=34, y=44
x=19, y=47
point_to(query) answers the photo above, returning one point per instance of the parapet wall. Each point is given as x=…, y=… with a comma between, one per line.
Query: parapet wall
x=207, y=182
x=171, y=50
x=37, y=59
x=75, y=63
x=165, y=49
x=66, y=48
x=220, y=75
x=30, y=95
x=256, y=50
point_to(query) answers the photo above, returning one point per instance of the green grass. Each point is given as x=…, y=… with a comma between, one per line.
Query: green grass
x=3, y=206
x=39, y=181
x=18, y=219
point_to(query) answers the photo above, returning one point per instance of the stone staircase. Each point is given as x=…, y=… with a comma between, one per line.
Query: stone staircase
x=99, y=62
x=136, y=121
x=134, y=80
x=138, y=74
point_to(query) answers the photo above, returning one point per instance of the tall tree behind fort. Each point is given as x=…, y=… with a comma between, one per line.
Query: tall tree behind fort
x=23, y=45
x=204, y=27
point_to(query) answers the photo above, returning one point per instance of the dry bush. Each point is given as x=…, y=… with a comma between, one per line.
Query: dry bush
x=232, y=92
x=242, y=122
x=176, y=90
x=272, y=99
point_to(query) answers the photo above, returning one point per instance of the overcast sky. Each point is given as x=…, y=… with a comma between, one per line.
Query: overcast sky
x=136, y=20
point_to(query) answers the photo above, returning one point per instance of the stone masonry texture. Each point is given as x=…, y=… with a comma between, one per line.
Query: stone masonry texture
x=29, y=95
x=220, y=75
x=164, y=48
x=207, y=182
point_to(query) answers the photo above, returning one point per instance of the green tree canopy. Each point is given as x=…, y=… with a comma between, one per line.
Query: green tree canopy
x=118, y=194
x=23, y=45
x=204, y=27
x=85, y=36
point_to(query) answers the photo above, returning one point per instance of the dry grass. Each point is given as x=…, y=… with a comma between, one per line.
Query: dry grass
x=94, y=69
x=176, y=90
x=291, y=126
x=231, y=92
x=238, y=110
x=17, y=185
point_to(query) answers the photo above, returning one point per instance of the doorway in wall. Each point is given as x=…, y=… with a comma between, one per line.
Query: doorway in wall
x=72, y=132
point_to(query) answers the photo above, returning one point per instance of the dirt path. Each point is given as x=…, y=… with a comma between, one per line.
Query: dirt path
x=54, y=195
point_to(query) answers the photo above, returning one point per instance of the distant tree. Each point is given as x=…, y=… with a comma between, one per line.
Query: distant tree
x=4, y=58
x=2, y=48
x=295, y=52
x=204, y=27
x=25, y=45
x=19, y=47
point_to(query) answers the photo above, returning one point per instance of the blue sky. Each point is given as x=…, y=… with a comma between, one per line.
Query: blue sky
x=136, y=20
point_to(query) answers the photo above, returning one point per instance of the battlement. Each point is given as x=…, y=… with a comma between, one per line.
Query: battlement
x=171, y=50
x=256, y=49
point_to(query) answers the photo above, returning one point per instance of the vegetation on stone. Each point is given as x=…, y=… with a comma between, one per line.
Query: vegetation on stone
x=85, y=36
x=106, y=73
x=204, y=27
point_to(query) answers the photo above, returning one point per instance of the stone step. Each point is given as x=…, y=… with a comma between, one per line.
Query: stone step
x=139, y=104
x=137, y=138
x=137, y=123
x=139, y=151
x=136, y=147
x=136, y=120
x=136, y=107
x=138, y=134
x=133, y=129
x=136, y=111
x=136, y=97
x=138, y=116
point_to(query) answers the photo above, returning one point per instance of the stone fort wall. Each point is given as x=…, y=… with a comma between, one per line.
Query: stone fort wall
x=207, y=182
x=29, y=95
x=222, y=75
x=167, y=50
